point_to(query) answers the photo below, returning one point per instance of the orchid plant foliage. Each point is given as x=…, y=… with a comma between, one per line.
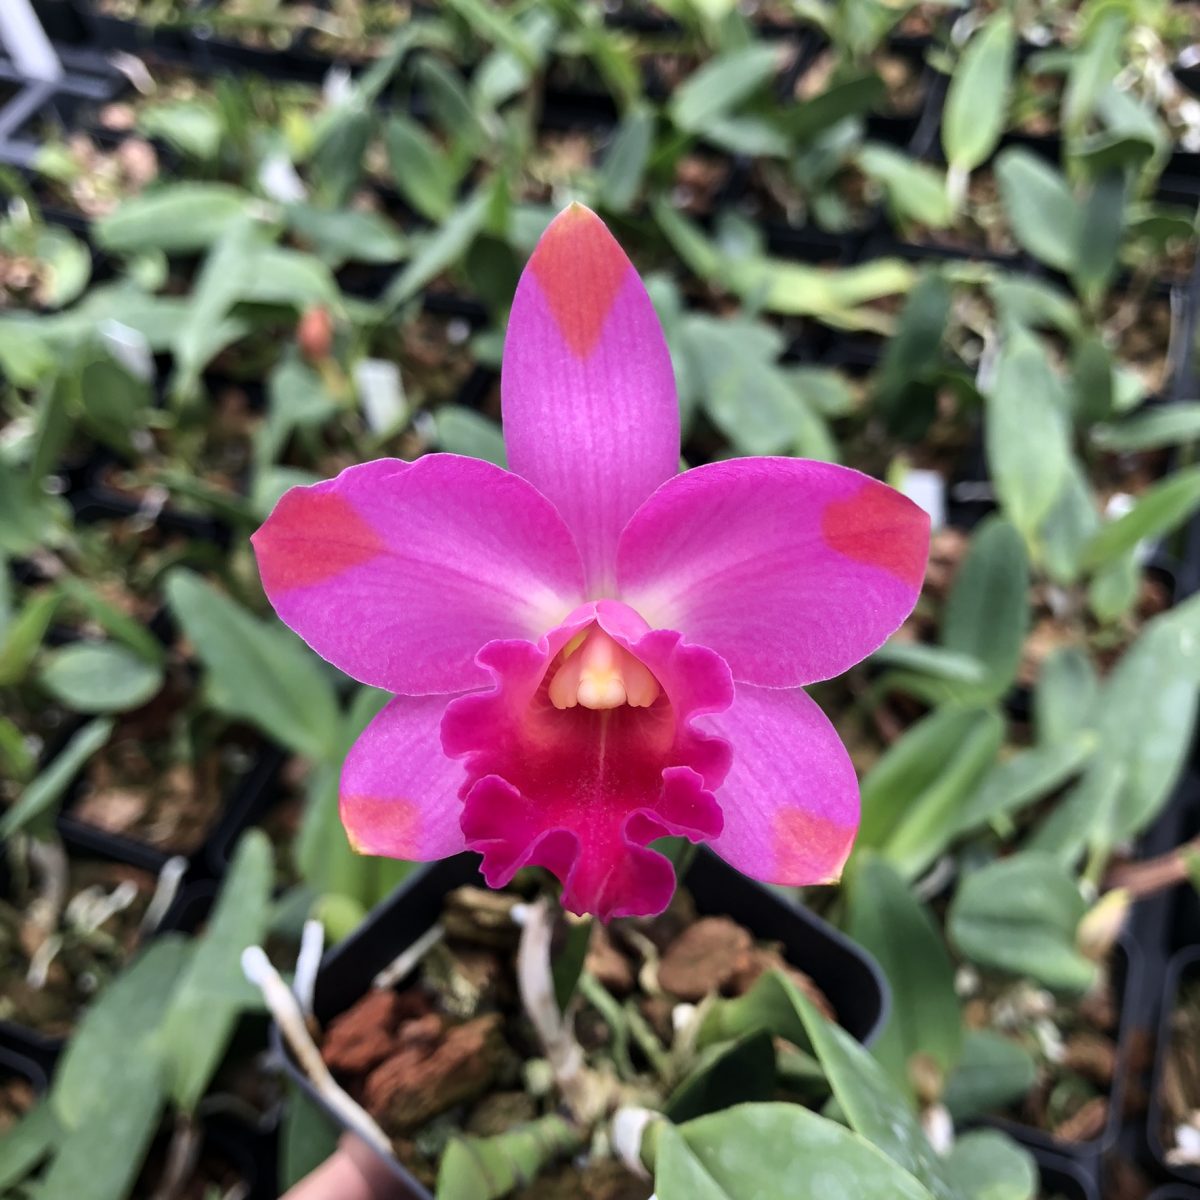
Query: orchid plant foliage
x=593, y=650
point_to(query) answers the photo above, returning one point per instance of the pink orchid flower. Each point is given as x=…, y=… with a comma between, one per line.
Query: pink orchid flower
x=594, y=651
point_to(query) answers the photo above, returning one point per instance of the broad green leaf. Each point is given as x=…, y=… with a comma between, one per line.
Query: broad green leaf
x=257, y=672
x=1019, y=915
x=99, y=677
x=976, y=108
x=277, y=275
x=101, y=1157
x=27, y=1143
x=1068, y=527
x=1170, y=425
x=192, y=126
x=347, y=236
x=988, y=1165
x=1064, y=700
x=1146, y=712
x=915, y=191
x=987, y=613
x=48, y=788
x=212, y=992
x=1158, y=510
x=1084, y=816
x=1023, y=301
x=912, y=353
x=873, y=1106
x=488, y=1168
x=120, y=625
x=117, y=1036
x=24, y=633
x=746, y=1152
x=886, y=918
x=1101, y=227
x=306, y=1138
x=178, y=218
x=1093, y=65
x=738, y=1072
x=719, y=86
x=421, y=171
x=936, y=661
x=1113, y=589
x=441, y=249
x=1027, y=776
x=625, y=163
x=337, y=161
x=68, y=263
x=1026, y=433
x=1044, y=215
x=993, y=1072
x=917, y=765
x=464, y=431
x=806, y=119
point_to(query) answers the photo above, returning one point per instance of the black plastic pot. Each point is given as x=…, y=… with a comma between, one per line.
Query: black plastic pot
x=12, y=1062
x=1183, y=967
x=847, y=975
x=1175, y=1191
x=1127, y=979
x=1060, y=1177
x=253, y=796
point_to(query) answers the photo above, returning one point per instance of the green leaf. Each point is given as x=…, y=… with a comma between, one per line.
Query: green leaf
x=941, y=752
x=947, y=665
x=178, y=218
x=1027, y=776
x=117, y=1035
x=27, y=1143
x=976, y=108
x=1019, y=915
x=257, y=672
x=338, y=159
x=873, y=1106
x=421, y=171
x=987, y=613
x=346, y=236
x=68, y=262
x=1044, y=216
x=49, y=787
x=1101, y=228
x=745, y=1152
x=464, y=431
x=915, y=191
x=23, y=635
x=731, y=1073
x=212, y=992
x=99, y=677
x=994, y=1072
x=1026, y=433
x=1068, y=527
x=1170, y=425
x=806, y=119
x=912, y=353
x=444, y=247
x=1158, y=510
x=192, y=126
x=987, y=1165
x=492, y=1167
x=1064, y=700
x=719, y=86
x=624, y=164
x=1094, y=64
x=885, y=917
x=306, y=1138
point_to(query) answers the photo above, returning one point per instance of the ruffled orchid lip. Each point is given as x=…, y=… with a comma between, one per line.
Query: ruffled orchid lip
x=582, y=788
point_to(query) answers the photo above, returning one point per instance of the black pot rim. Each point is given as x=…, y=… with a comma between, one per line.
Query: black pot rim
x=1178, y=966
x=331, y=965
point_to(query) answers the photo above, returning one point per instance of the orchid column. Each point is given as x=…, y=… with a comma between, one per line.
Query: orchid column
x=593, y=651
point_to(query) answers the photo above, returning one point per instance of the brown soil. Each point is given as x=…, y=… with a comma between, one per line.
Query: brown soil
x=1181, y=1072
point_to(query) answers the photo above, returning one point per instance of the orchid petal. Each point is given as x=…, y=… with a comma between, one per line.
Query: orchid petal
x=790, y=800
x=591, y=417
x=399, y=572
x=399, y=791
x=791, y=570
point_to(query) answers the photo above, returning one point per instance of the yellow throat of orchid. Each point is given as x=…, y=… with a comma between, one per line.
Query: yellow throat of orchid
x=598, y=673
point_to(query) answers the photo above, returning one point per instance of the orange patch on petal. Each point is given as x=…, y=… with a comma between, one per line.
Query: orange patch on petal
x=809, y=848
x=375, y=825
x=879, y=526
x=311, y=537
x=580, y=269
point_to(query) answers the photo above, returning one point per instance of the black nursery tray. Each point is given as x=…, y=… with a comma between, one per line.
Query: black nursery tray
x=1062, y=1178
x=1183, y=966
x=844, y=972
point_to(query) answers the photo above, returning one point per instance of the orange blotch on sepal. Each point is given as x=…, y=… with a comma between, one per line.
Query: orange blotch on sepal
x=309, y=538
x=809, y=848
x=881, y=527
x=382, y=826
x=579, y=268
